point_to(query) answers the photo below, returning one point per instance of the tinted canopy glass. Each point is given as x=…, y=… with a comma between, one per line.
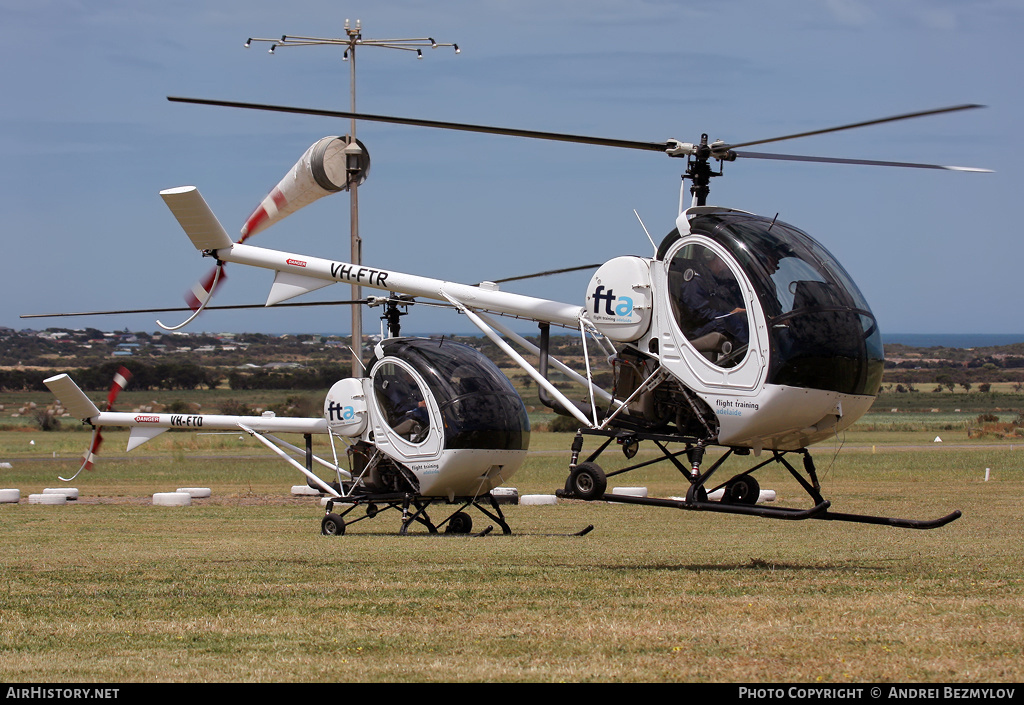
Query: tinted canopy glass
x=479, y=406
x=822, y=333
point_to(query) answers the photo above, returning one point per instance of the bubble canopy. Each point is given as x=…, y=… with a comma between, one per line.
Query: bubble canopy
x=821, y=331
x=479, y=406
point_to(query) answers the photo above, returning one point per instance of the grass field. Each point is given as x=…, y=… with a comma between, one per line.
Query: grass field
x=242, y=587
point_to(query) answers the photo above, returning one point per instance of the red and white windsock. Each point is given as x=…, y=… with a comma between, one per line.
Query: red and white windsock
x=330, y=165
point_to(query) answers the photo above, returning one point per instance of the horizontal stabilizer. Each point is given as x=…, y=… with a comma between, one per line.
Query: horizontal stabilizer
x=288, y=286
x=196, y=219
x=141, y=434
x=72, y=397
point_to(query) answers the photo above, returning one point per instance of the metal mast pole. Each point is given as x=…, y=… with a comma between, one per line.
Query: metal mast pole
x=354, y=38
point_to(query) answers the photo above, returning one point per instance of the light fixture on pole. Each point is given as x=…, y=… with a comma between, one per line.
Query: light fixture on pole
x=353, y=38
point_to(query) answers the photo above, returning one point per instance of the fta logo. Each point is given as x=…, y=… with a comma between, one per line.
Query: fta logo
x=620, y=306
x=337, y=412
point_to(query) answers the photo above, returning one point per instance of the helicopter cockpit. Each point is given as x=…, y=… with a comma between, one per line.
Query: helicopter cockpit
x=479, y=408
x=820, y=331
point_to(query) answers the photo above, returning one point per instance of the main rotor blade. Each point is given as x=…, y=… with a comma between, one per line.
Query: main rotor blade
x=208, y=308
x=894, y=118
x=513, y=132
x=545, y=274
x=838, y=160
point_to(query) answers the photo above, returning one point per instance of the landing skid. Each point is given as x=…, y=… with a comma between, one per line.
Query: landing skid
x=413, y=509
x=818, y=511
x=588, y=481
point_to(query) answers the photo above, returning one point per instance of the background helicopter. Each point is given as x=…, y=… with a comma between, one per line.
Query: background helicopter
x=432, y=422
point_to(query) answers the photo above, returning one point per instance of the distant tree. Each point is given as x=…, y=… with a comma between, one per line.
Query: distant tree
x=178, y=406
x=46, y=420
x=563, y=424
x=944, y=380
x=233, y=407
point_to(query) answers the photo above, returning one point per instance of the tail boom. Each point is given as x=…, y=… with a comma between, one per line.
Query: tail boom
x=145, y=426
x=413, y=285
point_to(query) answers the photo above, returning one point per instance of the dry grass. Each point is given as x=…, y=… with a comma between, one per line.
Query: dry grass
x=241, y=587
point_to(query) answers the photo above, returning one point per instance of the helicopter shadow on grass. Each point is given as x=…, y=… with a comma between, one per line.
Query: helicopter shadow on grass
x=752, y=565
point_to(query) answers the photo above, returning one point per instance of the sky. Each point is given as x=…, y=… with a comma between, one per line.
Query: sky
x=88, y=139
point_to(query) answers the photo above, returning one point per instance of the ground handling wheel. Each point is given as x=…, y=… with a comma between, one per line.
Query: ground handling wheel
x=332, y=525
x=587, y=481
x=742, y=489
x=459, y=523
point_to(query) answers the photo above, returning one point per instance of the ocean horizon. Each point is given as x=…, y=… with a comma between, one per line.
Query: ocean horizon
x=952, y=340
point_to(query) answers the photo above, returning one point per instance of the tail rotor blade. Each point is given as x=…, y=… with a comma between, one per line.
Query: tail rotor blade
x=88, y=460
x=94, y=448
x=198, y=296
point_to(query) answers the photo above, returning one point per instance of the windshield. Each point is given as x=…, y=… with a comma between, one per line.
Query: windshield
x=822, y=332
x=480, y=407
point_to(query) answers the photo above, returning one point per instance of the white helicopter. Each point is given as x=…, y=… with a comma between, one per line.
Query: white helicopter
x=742, y=333
x=433, y=422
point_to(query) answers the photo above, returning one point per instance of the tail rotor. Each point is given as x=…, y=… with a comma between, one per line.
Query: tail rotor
x=121, y=379
x=199, y=295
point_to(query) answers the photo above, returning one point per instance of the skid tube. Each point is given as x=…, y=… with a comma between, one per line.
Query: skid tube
x=696, y=496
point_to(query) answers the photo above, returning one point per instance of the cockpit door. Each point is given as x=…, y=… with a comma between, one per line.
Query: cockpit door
x=407, y=418
x=712, y=329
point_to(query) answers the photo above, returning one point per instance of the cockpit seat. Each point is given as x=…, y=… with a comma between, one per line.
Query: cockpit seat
x=712, y=345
